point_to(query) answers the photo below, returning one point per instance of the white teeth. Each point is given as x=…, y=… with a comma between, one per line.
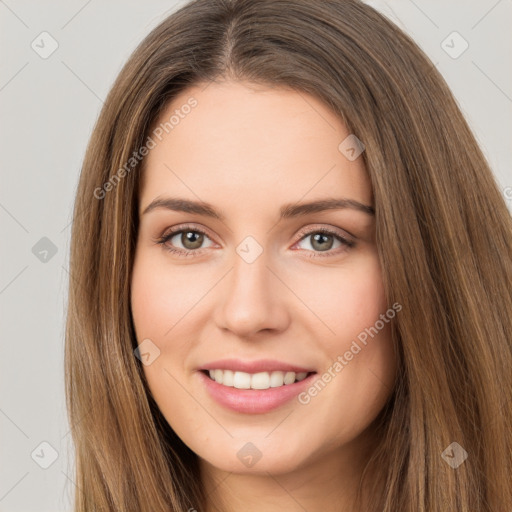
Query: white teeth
x=289, y=377
x=241, y=380
x=276, y=379
x=261, y=380
x=228, y=378
x=218, y=374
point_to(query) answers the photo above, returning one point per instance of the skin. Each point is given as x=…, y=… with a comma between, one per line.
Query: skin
x=248, y=150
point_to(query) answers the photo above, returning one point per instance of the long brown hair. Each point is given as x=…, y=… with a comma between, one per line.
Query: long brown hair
x=443, y=232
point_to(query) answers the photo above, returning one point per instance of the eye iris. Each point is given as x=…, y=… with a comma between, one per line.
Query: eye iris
x=320, y=238
x=191, y=239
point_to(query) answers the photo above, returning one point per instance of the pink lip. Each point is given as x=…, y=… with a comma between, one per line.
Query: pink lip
x=253, y=401
x=261, y=365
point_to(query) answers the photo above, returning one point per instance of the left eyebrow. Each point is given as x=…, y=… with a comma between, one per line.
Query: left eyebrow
x=287, y=211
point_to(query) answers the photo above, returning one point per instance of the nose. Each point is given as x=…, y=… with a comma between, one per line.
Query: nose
x=251, y=299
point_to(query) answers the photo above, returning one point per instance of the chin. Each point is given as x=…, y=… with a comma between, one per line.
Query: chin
x=258, y=455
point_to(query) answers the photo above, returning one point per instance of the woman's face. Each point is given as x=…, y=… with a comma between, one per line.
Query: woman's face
x=291, y=321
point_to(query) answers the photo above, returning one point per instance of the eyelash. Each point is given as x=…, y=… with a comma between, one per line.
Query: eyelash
x=302, y=234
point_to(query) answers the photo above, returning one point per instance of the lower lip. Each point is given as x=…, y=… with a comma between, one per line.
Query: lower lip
x=253, y=401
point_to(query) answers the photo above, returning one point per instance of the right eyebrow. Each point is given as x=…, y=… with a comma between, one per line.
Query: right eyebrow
x=184, y=205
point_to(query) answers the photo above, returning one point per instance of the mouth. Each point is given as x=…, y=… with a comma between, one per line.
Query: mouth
x=254, y=387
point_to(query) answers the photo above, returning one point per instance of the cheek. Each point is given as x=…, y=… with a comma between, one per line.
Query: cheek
x=346, y=300
x=360, y=303
x=161, y=296
x=362, y=326
x=158, y=304
x=148, y=300
x=159, y=308
x=360, y=366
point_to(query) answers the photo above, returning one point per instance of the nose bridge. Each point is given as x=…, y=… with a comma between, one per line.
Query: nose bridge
x=251, y=300
x=250, y=272
x=250, y=275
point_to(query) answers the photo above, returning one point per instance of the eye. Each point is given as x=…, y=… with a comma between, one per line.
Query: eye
x=322, y=240
x=190, y=238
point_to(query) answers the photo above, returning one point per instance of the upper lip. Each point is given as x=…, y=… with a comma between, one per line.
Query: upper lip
x=260, y=365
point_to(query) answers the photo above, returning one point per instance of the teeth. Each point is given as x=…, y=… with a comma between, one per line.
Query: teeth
x=228, y=378
x=241, y=380
x=261, y=380
x=289, y=377
x=276, y=379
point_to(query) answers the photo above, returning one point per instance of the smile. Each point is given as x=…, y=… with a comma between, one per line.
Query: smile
x=260, y=380
x=254, y=387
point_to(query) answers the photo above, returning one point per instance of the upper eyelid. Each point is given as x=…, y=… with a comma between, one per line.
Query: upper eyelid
x=332, y=229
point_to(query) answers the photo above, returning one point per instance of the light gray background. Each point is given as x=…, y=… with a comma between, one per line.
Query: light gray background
x=48, y=108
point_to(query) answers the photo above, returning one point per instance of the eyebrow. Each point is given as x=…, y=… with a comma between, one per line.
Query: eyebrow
x=287, y=211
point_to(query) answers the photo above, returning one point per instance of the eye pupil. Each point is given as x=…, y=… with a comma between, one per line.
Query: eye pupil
x=319, y=240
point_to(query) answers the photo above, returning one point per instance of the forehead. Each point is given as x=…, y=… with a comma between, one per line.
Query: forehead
x=254, y=143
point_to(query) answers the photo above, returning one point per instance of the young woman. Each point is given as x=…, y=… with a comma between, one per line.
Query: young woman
x=291, y=275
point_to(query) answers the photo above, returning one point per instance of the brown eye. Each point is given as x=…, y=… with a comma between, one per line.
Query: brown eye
x=191, y=239
x=321, y=241
x=185, y=241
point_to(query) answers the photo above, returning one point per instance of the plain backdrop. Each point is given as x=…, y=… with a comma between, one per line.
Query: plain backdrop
x=48, y=106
